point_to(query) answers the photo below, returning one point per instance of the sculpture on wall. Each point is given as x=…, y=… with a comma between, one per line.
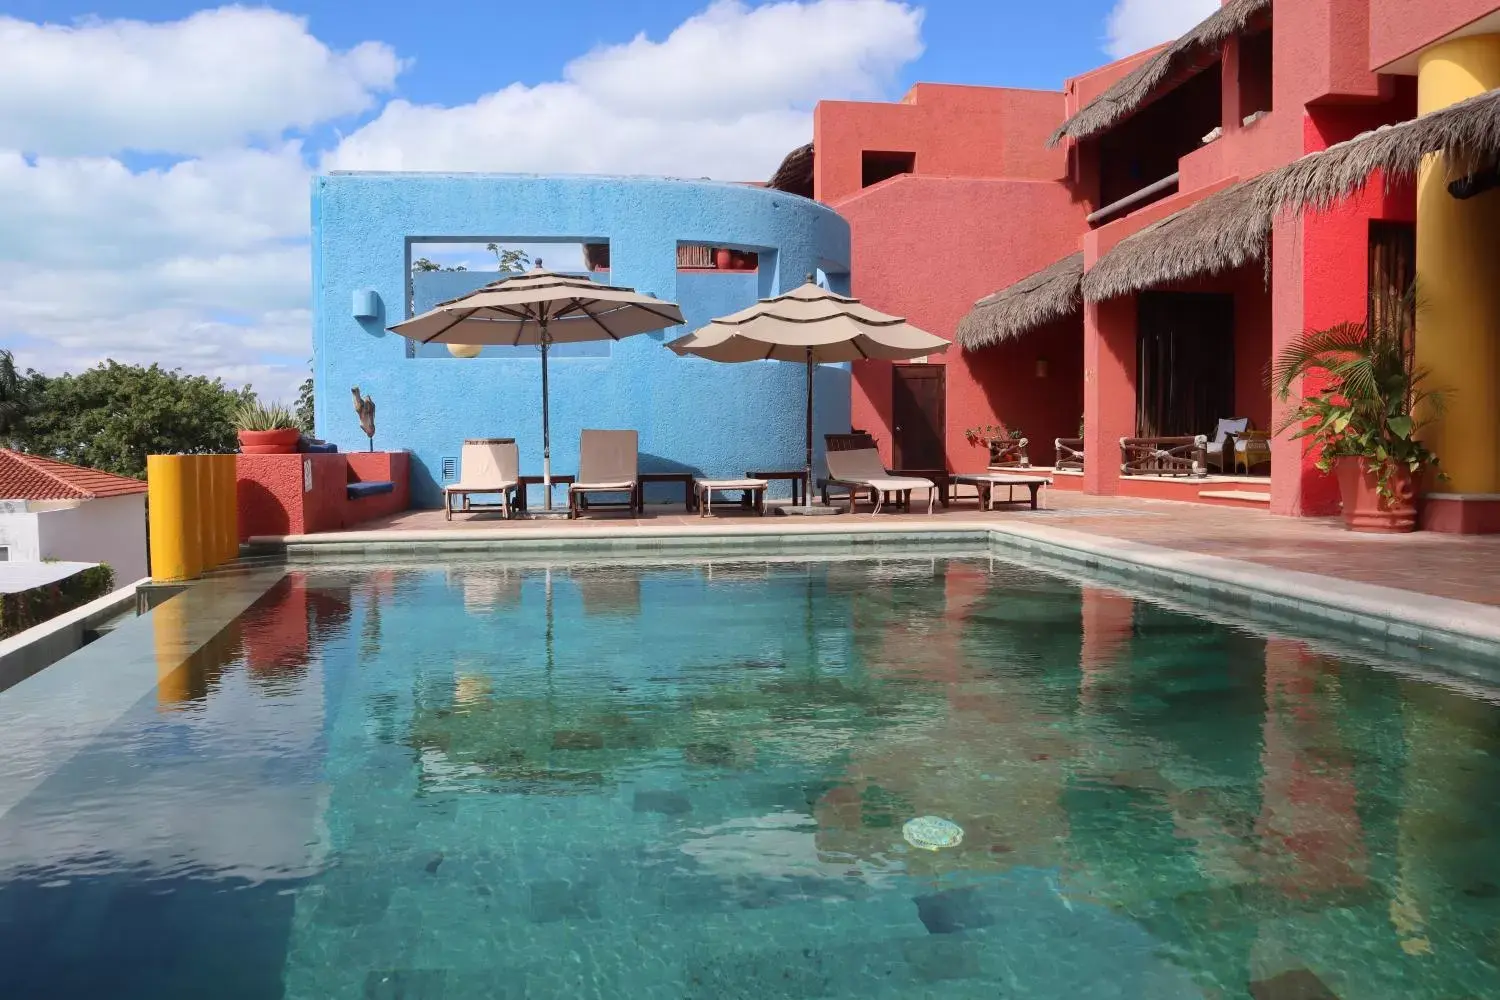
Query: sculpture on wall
x=364, y=406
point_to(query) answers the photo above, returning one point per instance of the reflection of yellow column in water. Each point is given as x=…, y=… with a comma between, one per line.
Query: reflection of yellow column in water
x=173, y=677
x=1458, y=309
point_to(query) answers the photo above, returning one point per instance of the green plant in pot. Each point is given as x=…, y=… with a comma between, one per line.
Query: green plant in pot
x=1007, y=445
x=1363, y=416
x=266, y=429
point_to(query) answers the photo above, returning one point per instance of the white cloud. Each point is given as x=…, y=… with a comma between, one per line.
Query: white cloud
x=1134, y=25
x=725, y=95
x=204, y=263
x=210, y=81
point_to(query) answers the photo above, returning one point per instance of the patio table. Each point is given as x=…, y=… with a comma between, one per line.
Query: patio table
x=526, y=481
x=797, y=477
x=987, y=482
x=685, y=478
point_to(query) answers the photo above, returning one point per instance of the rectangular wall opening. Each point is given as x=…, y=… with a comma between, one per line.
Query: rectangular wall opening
x=1146, y=147
x=1393, y=272
x=1255, y=74
x=881, y=165
x=1184, y=363
x=445, y=270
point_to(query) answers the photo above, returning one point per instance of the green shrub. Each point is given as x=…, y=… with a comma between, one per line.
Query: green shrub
x=19, y=612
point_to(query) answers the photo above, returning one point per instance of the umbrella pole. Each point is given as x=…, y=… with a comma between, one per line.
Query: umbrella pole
x=546, y=424
x=807, y=484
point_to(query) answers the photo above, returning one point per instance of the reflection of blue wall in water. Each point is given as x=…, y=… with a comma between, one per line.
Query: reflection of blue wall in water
x=691, y=414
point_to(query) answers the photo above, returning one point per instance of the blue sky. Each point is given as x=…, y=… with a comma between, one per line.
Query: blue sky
x=155, y=155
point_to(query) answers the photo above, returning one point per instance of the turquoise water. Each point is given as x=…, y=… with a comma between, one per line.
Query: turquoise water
x=692, y=781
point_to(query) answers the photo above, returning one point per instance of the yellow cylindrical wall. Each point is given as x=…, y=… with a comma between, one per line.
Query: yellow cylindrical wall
x=229, y=526
x=1458, y=294
x=172, y=491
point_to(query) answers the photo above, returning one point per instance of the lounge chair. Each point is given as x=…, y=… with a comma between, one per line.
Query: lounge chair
x=607, y=463
x=486, y=465
x=1221, y=445
x=861, y=468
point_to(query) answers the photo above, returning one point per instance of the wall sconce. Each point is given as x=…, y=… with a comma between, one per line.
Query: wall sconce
x=464, y=350
x=366, y=304
x=1041, y=367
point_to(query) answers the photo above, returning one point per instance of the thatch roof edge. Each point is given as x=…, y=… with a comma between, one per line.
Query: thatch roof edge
x=1468, y=133
x=1223, y=231
x=1037, y=299
x=1127, y=94
x=795, y=174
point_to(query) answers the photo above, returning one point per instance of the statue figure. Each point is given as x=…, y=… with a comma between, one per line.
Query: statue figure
x=365, y=407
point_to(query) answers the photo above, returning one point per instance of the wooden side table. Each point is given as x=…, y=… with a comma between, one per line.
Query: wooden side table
x=798, y=478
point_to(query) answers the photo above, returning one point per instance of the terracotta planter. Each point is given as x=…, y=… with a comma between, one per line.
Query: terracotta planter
x=723, y=258
x=1365, y=509
x=278, y=442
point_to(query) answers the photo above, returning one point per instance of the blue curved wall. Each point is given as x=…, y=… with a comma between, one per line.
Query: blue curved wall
x=691, y=414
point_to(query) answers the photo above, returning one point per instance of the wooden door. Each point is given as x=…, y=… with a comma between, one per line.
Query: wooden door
x=917, y=394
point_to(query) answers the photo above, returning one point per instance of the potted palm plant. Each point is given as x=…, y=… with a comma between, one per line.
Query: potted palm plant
x=266, y=430
x=1370, y=400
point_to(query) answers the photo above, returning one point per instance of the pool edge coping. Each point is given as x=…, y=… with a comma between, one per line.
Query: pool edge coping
x=1390, y=613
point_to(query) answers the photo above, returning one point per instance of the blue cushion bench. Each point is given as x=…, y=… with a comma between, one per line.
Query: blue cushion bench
x=373, y=488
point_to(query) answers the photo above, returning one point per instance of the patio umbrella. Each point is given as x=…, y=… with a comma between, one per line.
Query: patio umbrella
x=814, y=326
x=541, y=308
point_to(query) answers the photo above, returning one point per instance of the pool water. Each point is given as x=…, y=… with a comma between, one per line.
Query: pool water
x=484, y=781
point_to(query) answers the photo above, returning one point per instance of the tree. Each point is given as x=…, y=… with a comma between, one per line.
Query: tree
x=12, y=396
x=423, y=265
x=509, y=260
x=305, y=412
x=112, y=416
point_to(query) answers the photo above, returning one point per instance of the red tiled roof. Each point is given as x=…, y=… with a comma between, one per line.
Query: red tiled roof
x=31, y=477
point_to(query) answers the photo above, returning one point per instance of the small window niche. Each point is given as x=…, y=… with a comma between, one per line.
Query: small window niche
x=1255, y=76
x=877, y=165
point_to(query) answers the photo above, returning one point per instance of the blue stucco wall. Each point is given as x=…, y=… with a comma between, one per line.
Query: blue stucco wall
x=691, y=414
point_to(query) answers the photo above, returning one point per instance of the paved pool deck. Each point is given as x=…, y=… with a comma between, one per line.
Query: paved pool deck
x=1458, y=568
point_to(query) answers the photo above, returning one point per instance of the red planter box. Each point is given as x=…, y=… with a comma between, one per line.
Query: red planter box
x=303, y=494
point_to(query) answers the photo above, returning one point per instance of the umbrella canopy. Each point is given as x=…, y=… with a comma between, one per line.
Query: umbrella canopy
x=541, y=308
x=814, y=326
x=832, y=327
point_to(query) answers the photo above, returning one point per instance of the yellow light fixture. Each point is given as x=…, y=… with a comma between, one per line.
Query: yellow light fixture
x=464, y=350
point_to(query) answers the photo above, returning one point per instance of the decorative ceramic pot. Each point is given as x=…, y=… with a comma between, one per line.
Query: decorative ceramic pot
x=723, y=258
x=278, y=442
x=1365, y=509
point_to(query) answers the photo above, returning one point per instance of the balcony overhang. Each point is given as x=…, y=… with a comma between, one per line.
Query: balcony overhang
x=1467, y=134
x=1190, y=53
x=1050, y=294
x=1220, y=233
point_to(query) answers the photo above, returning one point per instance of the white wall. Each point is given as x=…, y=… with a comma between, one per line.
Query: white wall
x=109, y=530
x=20, y=533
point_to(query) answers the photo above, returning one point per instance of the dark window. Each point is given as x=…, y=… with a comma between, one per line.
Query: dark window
x=1184, y=363
x=878, y=166
x=1393, y=271
x=1255, y=73
x=1145, y=147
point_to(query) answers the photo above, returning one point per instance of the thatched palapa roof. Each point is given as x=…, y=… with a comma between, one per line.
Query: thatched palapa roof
x=1183, y=57
x=1219, y=233
x=1468, y=133
x=795, y=175
x=1047, y=295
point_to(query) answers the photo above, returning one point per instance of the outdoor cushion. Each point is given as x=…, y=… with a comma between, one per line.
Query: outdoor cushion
x=487, y=465
x=373, y=487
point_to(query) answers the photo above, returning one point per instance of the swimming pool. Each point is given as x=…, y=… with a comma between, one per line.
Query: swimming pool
x=691, y=780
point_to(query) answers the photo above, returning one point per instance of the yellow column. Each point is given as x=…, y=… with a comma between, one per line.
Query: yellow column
x=172, y=491
x=229, y=520
x=1458, y=308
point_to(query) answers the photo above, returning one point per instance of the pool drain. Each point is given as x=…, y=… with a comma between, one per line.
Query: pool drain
x=932, y=833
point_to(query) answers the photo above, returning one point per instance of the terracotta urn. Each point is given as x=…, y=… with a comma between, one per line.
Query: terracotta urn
x=1365, y=509
x=278, y=442
x=723, y=258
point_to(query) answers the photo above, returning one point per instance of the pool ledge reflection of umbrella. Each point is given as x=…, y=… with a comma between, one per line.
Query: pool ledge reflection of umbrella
x=815, y=326
x=541, y=308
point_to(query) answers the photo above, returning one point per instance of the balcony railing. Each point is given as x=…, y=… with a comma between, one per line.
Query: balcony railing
x=1069, y=454
x=1164, y=456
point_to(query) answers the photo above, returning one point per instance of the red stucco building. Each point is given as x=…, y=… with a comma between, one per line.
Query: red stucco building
x=1186, y=287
